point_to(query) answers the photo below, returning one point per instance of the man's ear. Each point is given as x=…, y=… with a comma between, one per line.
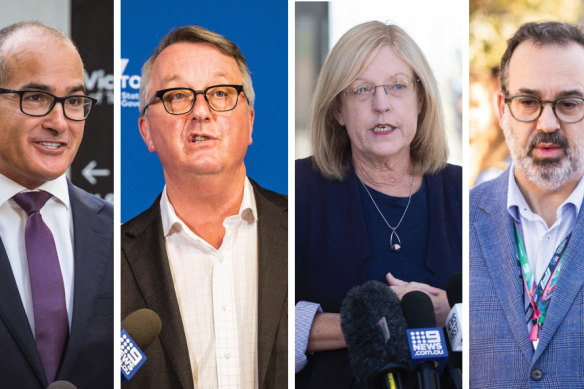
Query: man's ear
x=500, y=105
x=144, y=127
x=251, y=114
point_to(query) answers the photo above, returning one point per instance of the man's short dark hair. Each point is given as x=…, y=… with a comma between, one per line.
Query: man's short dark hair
x=545, y=33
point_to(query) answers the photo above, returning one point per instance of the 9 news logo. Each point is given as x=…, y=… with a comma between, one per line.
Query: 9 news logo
x=132, y=356
x=426, y=342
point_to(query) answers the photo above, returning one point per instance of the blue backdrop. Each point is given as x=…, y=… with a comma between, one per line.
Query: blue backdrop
x=260, y=29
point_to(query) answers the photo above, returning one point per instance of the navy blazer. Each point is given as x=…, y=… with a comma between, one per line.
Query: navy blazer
x=501, y=355
x=88, y=359
x=332, y=248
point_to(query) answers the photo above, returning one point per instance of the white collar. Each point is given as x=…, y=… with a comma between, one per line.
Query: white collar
x=57, y=187
x=247, y=209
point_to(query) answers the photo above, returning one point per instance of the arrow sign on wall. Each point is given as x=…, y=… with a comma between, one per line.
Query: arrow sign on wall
x=89, y=172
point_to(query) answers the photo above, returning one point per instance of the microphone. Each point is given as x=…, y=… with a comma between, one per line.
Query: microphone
x=373, y=326
x=453, y=321
x=454, y=328
x=139, y=329
x=61, y=385
x=427, y=344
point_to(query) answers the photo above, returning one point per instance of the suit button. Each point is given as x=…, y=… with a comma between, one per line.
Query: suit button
x=536, y=374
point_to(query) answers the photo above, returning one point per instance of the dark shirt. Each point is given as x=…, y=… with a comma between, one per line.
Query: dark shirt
x=408, y=263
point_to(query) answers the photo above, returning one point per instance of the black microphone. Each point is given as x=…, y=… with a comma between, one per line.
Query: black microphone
x=61, y=385
x=454, y=328
x=139, y=329
x=373, y=326
x=454, y=289
x=427, y=344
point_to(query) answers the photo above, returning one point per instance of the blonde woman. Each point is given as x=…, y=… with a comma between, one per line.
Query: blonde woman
x=377, y=200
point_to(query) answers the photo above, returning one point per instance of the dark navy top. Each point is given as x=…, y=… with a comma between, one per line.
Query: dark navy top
x=408, y=263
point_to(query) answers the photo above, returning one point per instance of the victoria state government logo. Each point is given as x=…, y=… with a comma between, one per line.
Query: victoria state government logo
x=130, y=96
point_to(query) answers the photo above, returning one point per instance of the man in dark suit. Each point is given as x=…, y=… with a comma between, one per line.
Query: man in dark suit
x=56, y=253
x=210, y=255
x=526, y=226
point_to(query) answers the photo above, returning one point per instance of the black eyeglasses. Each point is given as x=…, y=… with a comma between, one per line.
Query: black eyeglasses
x=178, y=101
x=529, y=108
x=39, y=103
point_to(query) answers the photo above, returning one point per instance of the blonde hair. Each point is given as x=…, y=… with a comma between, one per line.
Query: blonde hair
x=349, y=57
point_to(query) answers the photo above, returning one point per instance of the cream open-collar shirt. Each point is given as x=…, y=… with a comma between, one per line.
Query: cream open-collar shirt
x=217, y=295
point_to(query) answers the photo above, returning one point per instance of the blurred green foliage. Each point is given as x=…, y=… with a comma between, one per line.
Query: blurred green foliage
x=492, y=22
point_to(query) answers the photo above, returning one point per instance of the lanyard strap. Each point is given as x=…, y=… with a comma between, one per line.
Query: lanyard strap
x=540, y=294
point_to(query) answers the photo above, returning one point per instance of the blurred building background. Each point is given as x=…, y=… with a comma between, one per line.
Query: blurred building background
x=491, y=23
x=437, y=27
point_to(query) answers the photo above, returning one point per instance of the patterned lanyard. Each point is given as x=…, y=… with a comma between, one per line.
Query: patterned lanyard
x=540, y=295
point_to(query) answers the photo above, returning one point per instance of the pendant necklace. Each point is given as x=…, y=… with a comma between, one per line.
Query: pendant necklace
x=397, y=246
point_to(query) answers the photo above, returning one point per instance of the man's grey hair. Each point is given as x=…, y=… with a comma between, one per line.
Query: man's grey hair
x=196, y=34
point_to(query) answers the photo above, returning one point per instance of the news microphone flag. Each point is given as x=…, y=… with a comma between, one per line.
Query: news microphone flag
x=454, y=327
x=427, y=344
x=132, y=356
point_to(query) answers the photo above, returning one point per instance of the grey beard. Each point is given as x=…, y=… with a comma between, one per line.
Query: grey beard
x=549, y=173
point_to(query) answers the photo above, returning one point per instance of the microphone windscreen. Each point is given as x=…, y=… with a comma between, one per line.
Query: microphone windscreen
x=61, y=385
x=454, y=289
x=418, y=310
x=374, y=329
x=143, y=326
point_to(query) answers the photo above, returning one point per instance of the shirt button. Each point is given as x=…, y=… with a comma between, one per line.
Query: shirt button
x=227, y=355
x=223, y=307
x=536, y=374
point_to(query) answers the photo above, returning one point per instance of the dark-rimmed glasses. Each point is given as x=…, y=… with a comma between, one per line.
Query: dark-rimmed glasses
x=39, y=103
x=528, y=109
x=179, y=101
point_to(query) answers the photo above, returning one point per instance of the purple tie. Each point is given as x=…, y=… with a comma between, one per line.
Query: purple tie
x=46, y=283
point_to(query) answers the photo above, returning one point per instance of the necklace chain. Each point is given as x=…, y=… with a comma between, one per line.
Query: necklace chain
x=396, y=247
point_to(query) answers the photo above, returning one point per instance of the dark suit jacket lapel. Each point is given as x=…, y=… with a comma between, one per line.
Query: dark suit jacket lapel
x=146, y=254
x=13, y=316
x=272, y=274
x=92, y=245
x=497, y=243
x=570, y=281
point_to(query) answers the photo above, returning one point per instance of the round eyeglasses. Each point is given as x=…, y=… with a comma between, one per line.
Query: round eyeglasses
x=179, y=101
x=528, y=109
x=38, y=103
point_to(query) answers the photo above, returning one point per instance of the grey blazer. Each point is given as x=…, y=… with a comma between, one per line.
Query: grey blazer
x=147, y=283
x=501, y=355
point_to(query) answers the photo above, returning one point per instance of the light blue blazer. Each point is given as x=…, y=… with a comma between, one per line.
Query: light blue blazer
x=501, y=355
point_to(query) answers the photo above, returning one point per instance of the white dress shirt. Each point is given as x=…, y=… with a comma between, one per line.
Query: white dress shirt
x=217, y=295
x=57, y=215
x=540, y=241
